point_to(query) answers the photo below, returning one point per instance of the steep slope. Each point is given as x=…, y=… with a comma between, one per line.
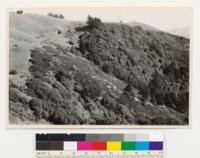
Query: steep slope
x=68, y=89
x=154, y=62
x=99, y=74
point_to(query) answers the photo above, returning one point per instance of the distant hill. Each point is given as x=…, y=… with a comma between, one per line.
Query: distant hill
x=183, y=31
x=144, y=26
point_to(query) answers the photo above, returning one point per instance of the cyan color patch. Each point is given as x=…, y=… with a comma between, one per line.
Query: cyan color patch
x=141, y=145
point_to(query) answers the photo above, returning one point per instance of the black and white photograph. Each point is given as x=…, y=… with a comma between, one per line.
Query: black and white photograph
x=120, y=66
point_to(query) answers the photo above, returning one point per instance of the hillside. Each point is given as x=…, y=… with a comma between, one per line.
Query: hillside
x=99, y=73
x=29, y=30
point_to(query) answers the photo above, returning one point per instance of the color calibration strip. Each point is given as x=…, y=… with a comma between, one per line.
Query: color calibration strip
x=100, y=144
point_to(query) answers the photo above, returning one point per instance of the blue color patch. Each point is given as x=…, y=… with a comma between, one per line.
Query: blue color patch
x=141, y=145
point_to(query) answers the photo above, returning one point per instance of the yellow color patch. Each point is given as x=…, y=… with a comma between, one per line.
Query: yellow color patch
x=113, y=145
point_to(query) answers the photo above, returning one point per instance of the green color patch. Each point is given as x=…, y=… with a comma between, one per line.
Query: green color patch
x=128, y=145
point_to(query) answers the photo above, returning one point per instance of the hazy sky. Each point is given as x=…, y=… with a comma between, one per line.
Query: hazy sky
x=163, y=18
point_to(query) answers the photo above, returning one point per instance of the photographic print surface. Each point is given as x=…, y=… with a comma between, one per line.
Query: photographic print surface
x=99, y=66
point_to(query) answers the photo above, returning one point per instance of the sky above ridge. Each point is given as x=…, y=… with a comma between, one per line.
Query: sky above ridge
x=163, y=18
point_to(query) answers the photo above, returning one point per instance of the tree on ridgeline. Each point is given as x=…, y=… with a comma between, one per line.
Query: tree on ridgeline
x=93, y=22
x=55, y=15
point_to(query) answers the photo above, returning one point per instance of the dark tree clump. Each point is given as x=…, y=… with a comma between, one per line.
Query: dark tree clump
x=19, y=12
x=93, y=22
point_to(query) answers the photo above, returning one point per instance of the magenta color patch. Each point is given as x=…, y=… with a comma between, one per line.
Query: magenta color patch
x=84, y=146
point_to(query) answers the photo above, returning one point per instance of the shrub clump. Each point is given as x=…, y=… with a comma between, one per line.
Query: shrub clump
x=13, y=72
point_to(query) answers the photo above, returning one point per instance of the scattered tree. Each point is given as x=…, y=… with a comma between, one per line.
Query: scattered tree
x=59, y=32
x=61, y=16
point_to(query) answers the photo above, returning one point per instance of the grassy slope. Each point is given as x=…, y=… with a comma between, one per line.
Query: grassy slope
x=30, y=30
